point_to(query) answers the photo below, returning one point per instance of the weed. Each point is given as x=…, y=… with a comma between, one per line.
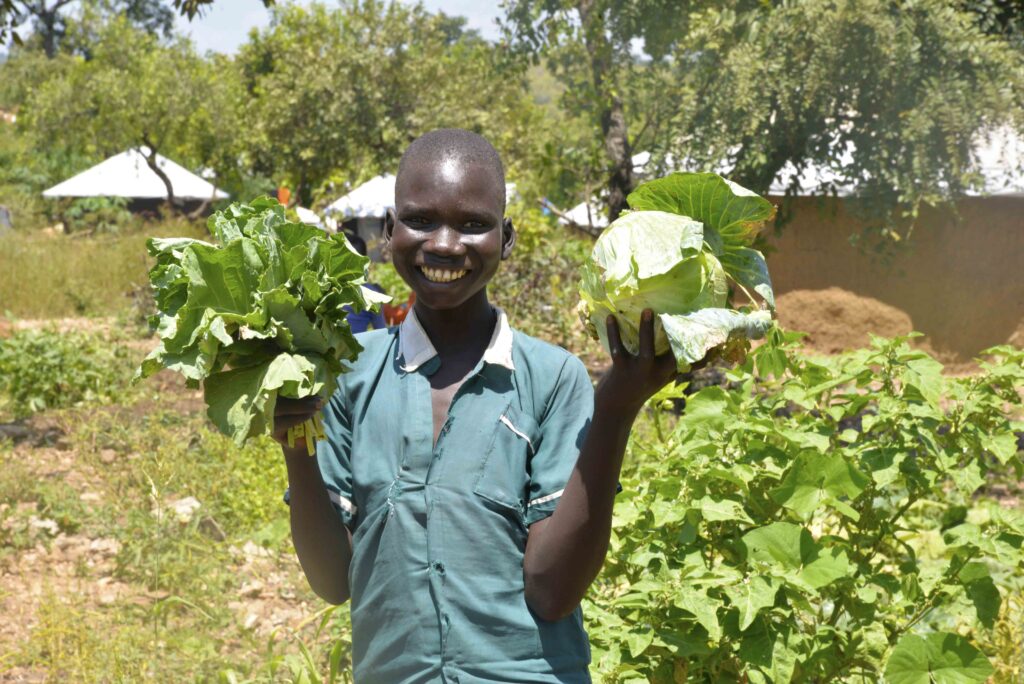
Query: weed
x=42, y=369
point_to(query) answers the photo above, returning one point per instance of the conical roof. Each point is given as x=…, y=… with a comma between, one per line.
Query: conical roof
x=128, y=175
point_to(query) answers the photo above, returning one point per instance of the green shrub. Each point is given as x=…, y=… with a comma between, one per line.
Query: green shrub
x=42, y=369
x=98, y=215
x=829, y=525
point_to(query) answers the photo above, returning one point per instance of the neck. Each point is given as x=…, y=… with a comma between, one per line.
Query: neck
x=461, y=329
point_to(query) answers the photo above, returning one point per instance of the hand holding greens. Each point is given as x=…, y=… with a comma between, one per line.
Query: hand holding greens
x=258, y=315
x=688, y=237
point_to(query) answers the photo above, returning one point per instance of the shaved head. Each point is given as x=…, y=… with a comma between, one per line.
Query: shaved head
x=448, y=147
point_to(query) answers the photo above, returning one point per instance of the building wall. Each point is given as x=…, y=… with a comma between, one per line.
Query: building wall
x=960, y=281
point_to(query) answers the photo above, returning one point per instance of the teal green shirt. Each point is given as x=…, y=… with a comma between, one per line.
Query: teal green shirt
x=439, y=531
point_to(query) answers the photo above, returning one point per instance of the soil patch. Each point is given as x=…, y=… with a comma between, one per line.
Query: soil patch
x=837, y=320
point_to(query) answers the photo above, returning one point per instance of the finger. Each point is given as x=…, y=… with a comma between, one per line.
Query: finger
x=666, y=366
x=305, y=406
x=646, y=350
x=614, y=339
x=285, y=423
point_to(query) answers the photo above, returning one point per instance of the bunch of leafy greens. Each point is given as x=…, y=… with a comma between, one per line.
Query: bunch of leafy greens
x=258, y=315
x=687, y=239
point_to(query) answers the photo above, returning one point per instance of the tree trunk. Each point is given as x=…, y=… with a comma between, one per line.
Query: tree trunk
x=613, y=115
x=616, y=144
x=151, y=162
x=48, y=23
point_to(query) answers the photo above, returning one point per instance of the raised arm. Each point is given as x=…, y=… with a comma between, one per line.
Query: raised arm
x=322, y=542
x=565, y=551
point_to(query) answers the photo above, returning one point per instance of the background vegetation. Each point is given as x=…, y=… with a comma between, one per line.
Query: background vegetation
x=804, y=519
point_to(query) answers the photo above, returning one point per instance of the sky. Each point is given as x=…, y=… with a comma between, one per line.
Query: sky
x=227, y=24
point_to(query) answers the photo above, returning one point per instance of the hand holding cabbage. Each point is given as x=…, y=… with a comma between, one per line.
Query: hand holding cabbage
x=687, y=239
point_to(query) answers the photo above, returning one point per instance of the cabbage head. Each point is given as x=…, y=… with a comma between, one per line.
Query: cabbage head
x=682, y=251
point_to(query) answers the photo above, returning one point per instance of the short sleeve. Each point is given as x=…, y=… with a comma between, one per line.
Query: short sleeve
x=334, y=456
x=563, y=427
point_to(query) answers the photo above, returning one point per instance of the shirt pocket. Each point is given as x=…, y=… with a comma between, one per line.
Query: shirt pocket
x=504, y=477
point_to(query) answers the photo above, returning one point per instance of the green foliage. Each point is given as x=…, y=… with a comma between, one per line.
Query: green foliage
x=532, y=285
x=43, y=369
x=888, y=96
x=98, y=214
x=825, y=520
x=335, y=95
x=134, y=90
x=261, y=313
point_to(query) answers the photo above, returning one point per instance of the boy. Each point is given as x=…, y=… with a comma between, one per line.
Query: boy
x=463, y=496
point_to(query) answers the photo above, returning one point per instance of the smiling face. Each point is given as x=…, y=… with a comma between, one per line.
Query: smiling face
x=448, y=233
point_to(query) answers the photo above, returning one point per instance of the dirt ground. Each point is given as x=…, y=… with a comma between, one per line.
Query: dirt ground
x=77, y=572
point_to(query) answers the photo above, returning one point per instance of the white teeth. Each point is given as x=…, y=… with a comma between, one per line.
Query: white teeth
x=442, y=275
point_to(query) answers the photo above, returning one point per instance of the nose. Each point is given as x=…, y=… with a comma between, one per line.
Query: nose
x=445, y=241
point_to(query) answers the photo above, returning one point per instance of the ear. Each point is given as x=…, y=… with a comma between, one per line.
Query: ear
x=508, y=238
x=389, y=226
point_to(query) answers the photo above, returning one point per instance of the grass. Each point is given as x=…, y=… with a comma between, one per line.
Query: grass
x=53, y=276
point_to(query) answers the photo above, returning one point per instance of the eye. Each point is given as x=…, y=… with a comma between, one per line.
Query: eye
x=415, y=221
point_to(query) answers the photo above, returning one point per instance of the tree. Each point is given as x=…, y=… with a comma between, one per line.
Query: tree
x=891, y=101
x=143, y=12
x=337, y=94
x=751, y=87
x=136, y=91
x=50, y=19
x=589, y=45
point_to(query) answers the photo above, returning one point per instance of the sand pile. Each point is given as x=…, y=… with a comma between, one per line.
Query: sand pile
x=836, y=320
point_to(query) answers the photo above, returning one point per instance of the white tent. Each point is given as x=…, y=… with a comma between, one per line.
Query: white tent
x=308, y=216
x=128, y=175
x=372, y=199
x=593, y=214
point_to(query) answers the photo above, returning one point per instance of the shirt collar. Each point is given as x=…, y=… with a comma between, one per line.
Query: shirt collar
x=415, y=347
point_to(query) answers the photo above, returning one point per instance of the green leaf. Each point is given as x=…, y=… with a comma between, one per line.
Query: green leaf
x=748, y=268
x=721, y=510
x=691, y=336
x=781, y=543
x=936, y=659
x=1001, y=445
x=923, y=380
x=639, y=641
x=732, y=215
x=982, y=592
x=703, y=607
x=751, y=596
x=826, y=567
x=815, y=479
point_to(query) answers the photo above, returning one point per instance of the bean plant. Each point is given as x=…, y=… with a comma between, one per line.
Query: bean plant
x=817, y=520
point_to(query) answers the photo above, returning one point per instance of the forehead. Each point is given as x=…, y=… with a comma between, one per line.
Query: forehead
x=449, y=183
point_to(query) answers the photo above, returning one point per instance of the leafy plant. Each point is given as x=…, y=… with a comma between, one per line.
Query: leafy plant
x=826, y=524
x=98, y=214
x=687, y=241
x=42, y=369
x=261, y=313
